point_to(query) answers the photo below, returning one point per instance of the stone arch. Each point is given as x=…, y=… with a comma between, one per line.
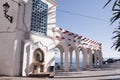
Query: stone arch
x=59, y=57
x=90, y=58
x=74, y=50
x=99, y=54
x=85, y=59
x=71, y=49
x=60, y=46
x=81, y=58
x=71, y=58
x=95, y=58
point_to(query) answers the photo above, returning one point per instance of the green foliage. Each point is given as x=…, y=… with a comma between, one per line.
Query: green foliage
x=115, y=9
x=116, y=43
x=116, y=16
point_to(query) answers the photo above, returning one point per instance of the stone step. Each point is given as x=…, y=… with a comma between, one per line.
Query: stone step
x=42, y=74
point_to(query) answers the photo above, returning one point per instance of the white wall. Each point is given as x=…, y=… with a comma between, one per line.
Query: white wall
x=19, y=37
x=51, y=16
x=7, y=37
x=12, y=34
x=6, y=53
x=46, y=44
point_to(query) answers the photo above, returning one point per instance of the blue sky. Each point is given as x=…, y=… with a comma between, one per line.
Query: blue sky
x=97, y=29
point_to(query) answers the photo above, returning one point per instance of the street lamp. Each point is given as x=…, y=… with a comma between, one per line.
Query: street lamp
x=6, y=7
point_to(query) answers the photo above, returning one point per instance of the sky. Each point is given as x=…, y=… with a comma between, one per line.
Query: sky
x=92, y=22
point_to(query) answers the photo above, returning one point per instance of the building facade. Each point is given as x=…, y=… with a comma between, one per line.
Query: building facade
x=25, y=28
x=29, y=36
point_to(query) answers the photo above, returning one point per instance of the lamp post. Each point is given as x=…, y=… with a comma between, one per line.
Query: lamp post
x=6, y=7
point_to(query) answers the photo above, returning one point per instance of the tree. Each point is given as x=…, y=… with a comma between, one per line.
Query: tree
x=116, y=43
x=116, y=17
x=115, y=9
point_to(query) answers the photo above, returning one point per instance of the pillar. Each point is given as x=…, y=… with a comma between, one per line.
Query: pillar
x=95, y=57
x=66, y=68
x=84, y=59
x=61, y=60
x=71, y=60
x=88, y=58
x=26, y=58
x=91, y=59
x=100, y=58
x=77, y=60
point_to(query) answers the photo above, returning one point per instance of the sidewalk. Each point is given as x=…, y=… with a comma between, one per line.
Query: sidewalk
x=107, y=72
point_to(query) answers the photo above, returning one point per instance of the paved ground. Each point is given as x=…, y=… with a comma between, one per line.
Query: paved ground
x=107, y=72
x=111, y=72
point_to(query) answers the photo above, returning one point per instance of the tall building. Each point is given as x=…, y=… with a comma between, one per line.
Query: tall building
x=26, y=36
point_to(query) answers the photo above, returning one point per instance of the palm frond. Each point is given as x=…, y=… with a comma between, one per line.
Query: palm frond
x=115, y=17
x=117, y=30
x=107, y=3
x=116, y=45
x=116, y=38
x=115, y=3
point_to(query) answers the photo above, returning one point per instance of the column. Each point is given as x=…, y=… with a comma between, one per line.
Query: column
x=95, y=58
x=91, y=59
x=100, y=59
x=88, y=59
x=26, y=58
x=66, y=68
x=84, y=59
x=71, y=61
x=61, y=60
x=77, y=60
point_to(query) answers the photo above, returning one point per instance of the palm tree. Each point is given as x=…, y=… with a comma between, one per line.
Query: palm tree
x=115, y=9
x=116, y=43
x=116, y=16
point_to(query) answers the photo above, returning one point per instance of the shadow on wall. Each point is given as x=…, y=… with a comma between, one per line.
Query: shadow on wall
x=31, y=68
x=27, y=59
x=49, y=64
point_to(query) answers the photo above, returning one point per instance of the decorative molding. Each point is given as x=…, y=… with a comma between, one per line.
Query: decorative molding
x=52, y=2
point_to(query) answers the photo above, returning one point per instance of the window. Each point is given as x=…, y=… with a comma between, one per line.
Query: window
x=39, y=17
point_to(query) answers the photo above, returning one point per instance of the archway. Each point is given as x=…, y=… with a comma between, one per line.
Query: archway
x=59, y=57
x=93, y=59
x=81, y=59
x=73, y=63
x=70, y=60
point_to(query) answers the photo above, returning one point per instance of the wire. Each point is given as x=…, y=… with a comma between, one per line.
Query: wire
x=78, y=14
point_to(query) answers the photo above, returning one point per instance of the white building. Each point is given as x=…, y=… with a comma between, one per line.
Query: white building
x=29, y=36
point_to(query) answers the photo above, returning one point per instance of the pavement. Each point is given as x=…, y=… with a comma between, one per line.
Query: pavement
x=107, y=72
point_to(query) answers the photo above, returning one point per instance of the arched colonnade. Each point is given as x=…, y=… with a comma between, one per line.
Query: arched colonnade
x=69, y=43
